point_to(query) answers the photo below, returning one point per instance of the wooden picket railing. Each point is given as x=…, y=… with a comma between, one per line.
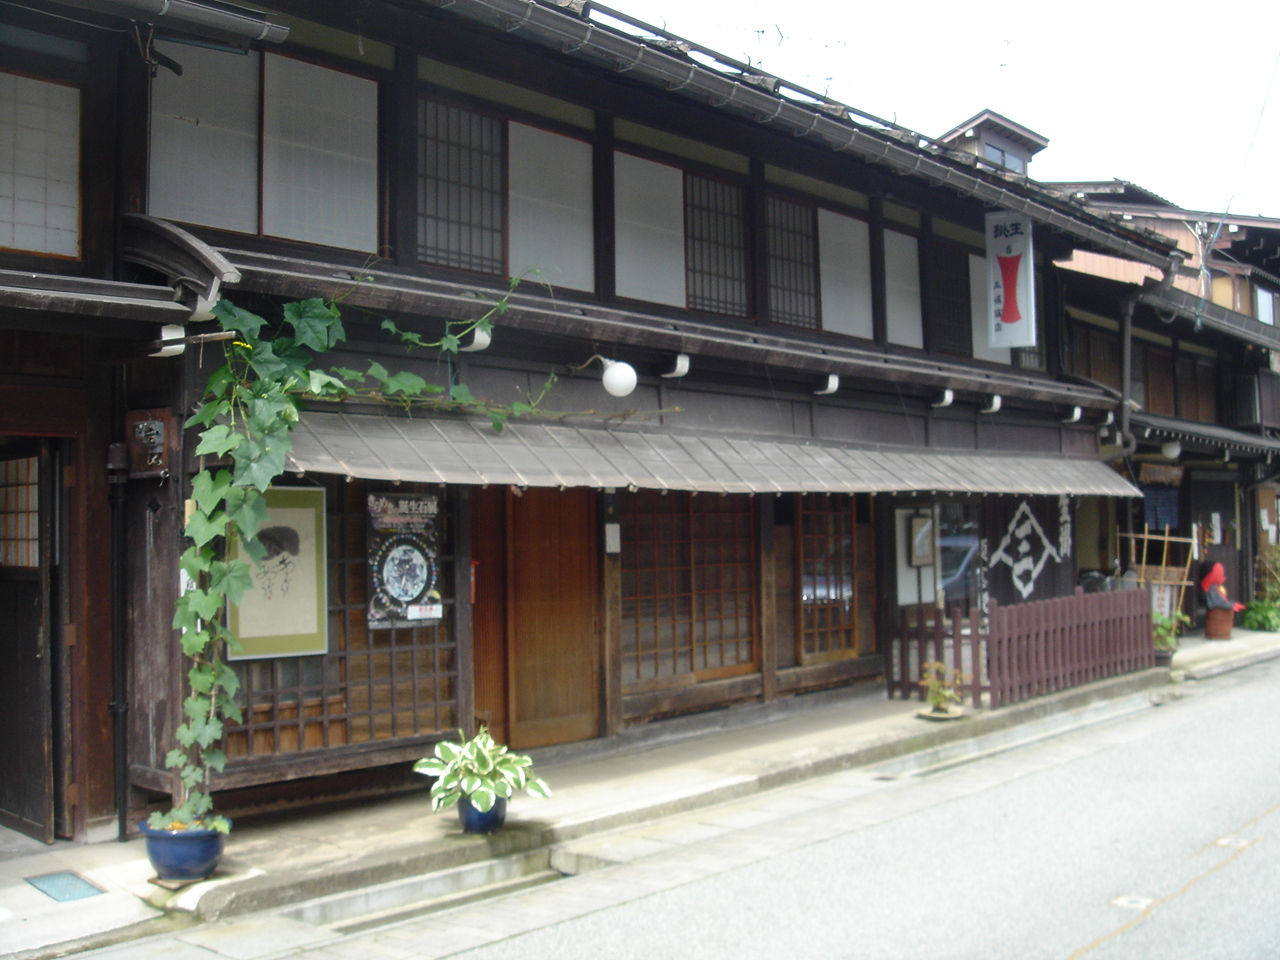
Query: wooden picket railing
x=1018, y=652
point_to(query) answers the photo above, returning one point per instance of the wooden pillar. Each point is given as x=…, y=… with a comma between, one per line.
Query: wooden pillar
x=611, y=618
x=766, y=577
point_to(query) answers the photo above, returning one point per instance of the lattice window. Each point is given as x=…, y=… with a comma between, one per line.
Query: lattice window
x=836, y=560
x=373, y=685
x=20, y=512
x=462, y=203
x=715, y=245
x=688, y=594
x=950, y=315
x=793, y=263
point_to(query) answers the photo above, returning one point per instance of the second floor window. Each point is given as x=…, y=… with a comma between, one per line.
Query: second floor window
x=265, y=144
x=793, y=264
x=462, y=204
x=39, y=166
x=715, y=246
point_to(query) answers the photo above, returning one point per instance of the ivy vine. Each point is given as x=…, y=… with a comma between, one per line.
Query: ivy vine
x=250, y=406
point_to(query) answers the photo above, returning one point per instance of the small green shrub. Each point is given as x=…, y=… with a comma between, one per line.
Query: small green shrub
x=1261, y=615
x=1165, y=629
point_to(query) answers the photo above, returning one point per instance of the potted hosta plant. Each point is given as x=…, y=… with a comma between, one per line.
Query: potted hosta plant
x=479, y=775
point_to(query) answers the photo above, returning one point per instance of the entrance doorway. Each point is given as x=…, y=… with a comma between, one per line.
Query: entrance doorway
x=536, y=619
x=28, y=640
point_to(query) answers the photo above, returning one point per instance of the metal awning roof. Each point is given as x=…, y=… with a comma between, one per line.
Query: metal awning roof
x=449, y=450
x=1209, y=434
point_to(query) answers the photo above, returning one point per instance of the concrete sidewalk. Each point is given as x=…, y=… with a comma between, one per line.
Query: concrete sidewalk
x=658, y=770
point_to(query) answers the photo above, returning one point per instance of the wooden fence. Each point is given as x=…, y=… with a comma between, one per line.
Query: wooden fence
x=1018, y=652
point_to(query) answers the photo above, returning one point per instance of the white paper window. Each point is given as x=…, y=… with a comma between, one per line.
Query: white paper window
x=902, y=289
x=204, y=139
x=844, y=258
x=320, y=155
x=649, y=218
x=1266, y=306
x=39, y=166
x=550, y=208
x=980, y=304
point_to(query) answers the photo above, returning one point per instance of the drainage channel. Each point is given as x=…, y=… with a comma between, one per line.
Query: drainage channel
x=354, y=911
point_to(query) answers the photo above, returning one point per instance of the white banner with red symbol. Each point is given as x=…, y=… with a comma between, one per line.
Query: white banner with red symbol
x=1011, y=272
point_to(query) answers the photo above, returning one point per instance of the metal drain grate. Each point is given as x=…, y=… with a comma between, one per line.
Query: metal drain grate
x=64, y=886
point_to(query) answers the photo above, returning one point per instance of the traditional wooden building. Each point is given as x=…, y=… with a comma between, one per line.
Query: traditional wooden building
x=1192, y=358
x=821, y=432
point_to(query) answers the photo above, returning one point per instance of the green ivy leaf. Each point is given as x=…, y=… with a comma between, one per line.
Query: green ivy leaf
x=194, y=642
x=202, y=528
x=203, y=603
x=449, y=343
x=232, y=317
x=404, y=383
x=314, y=322
x=209, y=488
x=218, y=440
x=461, y=393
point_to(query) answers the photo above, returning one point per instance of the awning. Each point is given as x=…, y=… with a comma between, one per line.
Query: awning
x=1149, y=425
x=448, y=450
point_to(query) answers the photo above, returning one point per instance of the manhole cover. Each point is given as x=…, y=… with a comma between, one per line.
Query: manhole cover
x=64, y=886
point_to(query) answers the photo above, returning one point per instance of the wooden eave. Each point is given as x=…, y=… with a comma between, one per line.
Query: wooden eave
x=411, y=295
x=106, y=300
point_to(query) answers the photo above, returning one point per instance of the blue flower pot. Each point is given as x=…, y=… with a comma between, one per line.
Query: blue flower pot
x=488, y=821
x=183, y=854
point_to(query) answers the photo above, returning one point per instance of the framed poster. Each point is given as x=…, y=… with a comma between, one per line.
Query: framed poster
x=404, y=560
x=920, y=552
x=285, y=612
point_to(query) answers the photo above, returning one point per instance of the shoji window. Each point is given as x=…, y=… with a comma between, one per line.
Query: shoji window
x=319, y=155
x=39, y=166
x=552, y=231
x=902, y=289
x=649, y=218
x=304, y=167
x=715, y=246
x=462, y=200
x=844, y=250
x=793, y=263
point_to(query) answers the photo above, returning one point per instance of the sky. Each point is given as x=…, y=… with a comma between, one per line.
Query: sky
x=1182, y=99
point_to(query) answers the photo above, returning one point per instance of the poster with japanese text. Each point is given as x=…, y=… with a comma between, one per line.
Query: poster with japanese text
x=404, y=556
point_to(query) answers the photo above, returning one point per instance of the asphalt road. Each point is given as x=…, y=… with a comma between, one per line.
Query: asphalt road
x=1150, y=837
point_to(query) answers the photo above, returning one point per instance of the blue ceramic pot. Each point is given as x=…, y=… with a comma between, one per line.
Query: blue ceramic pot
x=183, y=854
x=475, y=821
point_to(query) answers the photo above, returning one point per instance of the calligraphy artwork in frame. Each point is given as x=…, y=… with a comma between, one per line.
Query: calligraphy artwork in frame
x=285, y=613
x=920, y=552
x=404, y=560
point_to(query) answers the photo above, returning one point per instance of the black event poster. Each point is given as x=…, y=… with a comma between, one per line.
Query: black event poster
x=404, y=548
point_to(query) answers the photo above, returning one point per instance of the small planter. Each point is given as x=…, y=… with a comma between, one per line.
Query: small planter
x=1164, y=656
x=482, y=821
x=183, y=855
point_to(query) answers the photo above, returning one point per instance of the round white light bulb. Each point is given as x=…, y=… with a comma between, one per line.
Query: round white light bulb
x=619, y=378
x=1171, y=450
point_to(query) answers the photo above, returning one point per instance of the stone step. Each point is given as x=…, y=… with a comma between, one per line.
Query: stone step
x=362, y=909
